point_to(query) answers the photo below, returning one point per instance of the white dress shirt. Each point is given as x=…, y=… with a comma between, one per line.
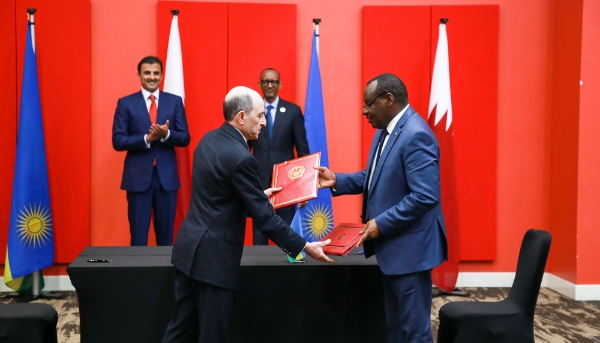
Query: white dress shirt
x=146, y=95
x=275, y=103
x=390, y=129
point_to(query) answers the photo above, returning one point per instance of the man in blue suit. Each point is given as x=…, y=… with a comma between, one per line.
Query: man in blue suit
x=149, y=125
x=401, y=206
x=284, y=132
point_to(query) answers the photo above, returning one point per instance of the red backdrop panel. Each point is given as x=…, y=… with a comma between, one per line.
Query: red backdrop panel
x=564, y=166
x=224, y=46
x=8, y=104
x=203, y=33
x=388, y=48
x=473, y=48
x=63, y=51
x=258, y=44
x=473, y=52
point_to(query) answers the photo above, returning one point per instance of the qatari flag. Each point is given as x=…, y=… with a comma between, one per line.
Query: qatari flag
x=440, y=120
x=173, y=84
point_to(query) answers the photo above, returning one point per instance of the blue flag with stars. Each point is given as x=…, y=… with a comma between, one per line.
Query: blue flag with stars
x=317, y=216
x=30, y=240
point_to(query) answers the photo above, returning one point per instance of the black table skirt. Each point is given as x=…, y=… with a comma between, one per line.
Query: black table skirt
x=131, y=298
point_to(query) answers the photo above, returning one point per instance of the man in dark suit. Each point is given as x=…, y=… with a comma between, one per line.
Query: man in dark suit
x=208, y=249
x=285, y=130
x=401, y=206
x=148, y=125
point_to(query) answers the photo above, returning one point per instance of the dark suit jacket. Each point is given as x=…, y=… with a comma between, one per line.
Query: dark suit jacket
x=404, y=198
x=288, y=132
x=131, y=123
x=225, y=190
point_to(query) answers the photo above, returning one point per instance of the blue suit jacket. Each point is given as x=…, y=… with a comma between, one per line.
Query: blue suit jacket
x=131, y=123
x=404, y=198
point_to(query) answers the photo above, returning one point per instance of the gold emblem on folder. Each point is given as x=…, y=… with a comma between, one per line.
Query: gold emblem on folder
x=296, y=172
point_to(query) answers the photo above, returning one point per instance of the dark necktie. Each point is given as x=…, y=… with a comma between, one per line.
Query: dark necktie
x=374, y=161
x=269, y=121
x=384, y=134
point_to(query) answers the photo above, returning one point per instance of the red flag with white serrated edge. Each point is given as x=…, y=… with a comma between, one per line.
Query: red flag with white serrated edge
x=440, y=120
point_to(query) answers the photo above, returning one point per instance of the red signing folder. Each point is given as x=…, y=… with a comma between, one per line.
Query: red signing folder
x=343, y=239
x=298, y=179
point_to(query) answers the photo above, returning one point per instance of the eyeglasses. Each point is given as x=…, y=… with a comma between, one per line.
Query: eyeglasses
x=265, y=83
x=368, y=104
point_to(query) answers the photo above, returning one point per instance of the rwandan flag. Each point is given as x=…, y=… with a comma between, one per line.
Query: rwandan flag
x=30, y=240
x=317, y=216
x=297, y=227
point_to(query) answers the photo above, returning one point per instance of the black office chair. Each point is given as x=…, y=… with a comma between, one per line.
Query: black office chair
x=509, y=320
x=30, y=322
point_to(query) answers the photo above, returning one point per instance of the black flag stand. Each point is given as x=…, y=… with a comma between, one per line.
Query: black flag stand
x=438, y=292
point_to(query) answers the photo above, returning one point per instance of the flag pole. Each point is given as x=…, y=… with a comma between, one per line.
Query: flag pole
x=36, y=275
x=316, y=21
x=35, y=291
x=173, y=82
x=296, y=224
x=30, y=13
x=450, y=266
x=317, y=215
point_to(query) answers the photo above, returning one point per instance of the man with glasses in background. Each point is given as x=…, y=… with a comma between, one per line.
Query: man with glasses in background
x=284, y=132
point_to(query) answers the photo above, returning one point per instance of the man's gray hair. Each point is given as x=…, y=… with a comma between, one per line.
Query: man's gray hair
x=238, y=99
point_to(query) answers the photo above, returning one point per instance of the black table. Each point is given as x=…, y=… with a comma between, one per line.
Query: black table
x=131, y=298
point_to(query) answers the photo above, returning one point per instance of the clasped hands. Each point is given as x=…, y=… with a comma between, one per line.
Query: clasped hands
x=158, y=131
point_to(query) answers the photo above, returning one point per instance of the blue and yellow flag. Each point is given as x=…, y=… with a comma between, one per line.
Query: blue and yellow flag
x=317, y=216
x=296, y=225
x=30, y=240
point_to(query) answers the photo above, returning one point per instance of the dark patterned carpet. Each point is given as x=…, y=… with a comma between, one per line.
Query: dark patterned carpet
x=558, y=319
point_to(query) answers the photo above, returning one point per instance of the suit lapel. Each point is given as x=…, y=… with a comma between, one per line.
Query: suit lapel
x=162, y=106
x=279, y=118
x=141, y=109
x=389, y=146
x=366, y=184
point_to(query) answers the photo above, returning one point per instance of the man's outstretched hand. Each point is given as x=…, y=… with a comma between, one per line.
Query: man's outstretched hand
x=326, y=177
x=315, y=250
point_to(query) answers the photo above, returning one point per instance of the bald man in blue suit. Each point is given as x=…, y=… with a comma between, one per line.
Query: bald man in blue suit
x=401, y=207
x=150, y=174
